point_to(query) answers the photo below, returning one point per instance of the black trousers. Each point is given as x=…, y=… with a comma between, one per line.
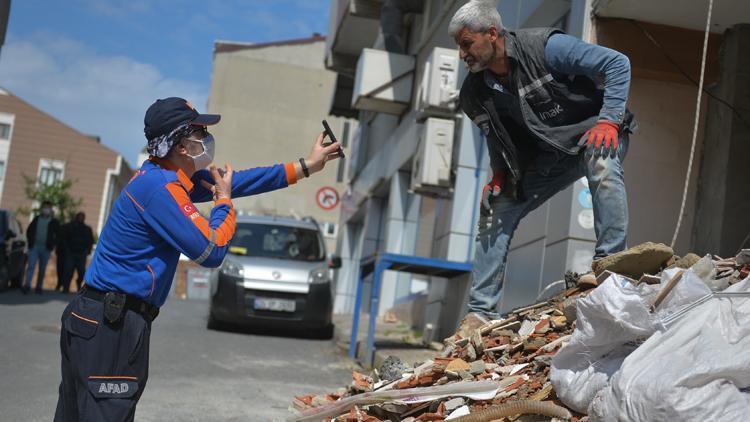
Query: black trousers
x=74, y=262
x=104, y=366
x=60, y=267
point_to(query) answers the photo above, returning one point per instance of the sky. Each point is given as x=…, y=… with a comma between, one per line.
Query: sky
x=97, y=65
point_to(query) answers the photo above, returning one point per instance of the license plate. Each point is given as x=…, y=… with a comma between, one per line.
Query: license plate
x=279, y=305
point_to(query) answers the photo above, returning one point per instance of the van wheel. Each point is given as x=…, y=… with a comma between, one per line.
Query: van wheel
x=325, y=333
x=213, y=324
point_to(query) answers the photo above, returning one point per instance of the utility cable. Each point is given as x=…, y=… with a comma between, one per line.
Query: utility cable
x=681, y=70
x=695, y=123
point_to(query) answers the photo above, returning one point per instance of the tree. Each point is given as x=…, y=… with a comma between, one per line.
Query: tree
x=58, y=193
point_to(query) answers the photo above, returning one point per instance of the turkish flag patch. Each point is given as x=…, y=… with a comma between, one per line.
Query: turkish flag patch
x=189, y=210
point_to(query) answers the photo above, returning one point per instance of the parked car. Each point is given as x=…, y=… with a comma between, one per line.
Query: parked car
x=12, y=250
x=276, y=274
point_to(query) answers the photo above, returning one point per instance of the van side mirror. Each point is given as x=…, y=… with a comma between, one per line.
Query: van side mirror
x=334, y=262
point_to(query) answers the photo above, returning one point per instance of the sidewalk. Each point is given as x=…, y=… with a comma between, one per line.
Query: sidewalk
x=391, y=339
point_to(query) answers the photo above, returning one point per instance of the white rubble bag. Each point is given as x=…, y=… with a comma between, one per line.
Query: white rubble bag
x=697, y=369
x=610, y=324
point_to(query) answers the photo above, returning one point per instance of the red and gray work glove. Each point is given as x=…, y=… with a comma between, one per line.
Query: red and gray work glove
x=492, y=189
x=602, y=139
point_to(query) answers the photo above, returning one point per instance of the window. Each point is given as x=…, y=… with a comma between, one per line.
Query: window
x=48, y=176
x=50, y=171
x=2, y=170
x=4, y=131
x=279, y=242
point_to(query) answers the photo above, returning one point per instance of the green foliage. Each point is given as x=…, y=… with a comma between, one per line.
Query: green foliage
x=58, y=193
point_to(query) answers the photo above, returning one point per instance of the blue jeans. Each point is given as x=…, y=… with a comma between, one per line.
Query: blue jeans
x=607, y=185
x=41, y=254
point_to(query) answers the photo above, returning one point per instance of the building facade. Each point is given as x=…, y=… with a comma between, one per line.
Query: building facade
x=272, y=98
x=36, y=145
x=385, y=211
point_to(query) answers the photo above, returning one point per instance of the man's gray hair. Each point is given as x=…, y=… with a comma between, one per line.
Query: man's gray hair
x=477, y=16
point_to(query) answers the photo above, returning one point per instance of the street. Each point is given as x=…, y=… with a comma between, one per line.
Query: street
x=195, y=374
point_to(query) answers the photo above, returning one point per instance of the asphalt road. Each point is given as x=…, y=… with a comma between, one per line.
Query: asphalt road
x=195, y=374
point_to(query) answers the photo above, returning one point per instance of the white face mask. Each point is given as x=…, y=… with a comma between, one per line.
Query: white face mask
x=205, y=158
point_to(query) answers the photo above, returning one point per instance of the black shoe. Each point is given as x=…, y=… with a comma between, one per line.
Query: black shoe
x=24, y=290
x=38, y=291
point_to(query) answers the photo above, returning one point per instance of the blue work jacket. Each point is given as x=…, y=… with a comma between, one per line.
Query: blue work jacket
x=154, y=220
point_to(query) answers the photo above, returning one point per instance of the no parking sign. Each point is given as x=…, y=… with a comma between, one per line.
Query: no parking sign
x=327, y=198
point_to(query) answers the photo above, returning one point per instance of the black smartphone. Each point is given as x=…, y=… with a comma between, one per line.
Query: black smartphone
x=332, y=138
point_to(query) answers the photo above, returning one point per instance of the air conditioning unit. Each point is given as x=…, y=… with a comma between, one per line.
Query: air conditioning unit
x=383, y=81
x=431, y=166
x=439, y=86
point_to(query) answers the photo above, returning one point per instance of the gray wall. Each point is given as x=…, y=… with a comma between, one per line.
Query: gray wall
x=272, y=100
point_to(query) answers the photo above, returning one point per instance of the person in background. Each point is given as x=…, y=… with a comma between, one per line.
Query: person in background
x=41, y=236
x=60, y=255
x=78, y=241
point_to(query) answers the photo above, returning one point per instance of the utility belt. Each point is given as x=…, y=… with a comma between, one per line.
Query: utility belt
x=116, y=303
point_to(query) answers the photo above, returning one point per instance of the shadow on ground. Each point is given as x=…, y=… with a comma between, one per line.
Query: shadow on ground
x=15, y=297
x=287, y=332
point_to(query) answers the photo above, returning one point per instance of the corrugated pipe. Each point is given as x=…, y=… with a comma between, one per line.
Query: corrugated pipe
x=519, y=407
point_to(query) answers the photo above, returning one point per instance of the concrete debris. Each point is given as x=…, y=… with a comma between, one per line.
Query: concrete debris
x=569, y=309
x=686, y=261
x=454, y=404
x=515, y=353
x=476, y=341
x=477, y=367
x=461, y=411
x=470, y=353
x=743, y=258
x=392, y=368
x=646, y=258
x=588, y=280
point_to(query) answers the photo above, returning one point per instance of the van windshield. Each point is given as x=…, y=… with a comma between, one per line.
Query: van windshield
x=280, y=242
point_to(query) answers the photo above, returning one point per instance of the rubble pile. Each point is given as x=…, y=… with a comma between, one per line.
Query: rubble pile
x=490, y=364
x=515, y=352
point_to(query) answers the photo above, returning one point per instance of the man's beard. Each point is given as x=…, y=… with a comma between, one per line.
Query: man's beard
x=481, y=63
x=476, y=67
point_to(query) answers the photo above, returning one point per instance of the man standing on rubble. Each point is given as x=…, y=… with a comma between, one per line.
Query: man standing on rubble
x=552, y=108
x=105, y=333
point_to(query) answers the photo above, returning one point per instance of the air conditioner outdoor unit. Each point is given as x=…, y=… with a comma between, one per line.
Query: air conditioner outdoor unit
x=383, y=81
x=431, y=166
x=439, y=86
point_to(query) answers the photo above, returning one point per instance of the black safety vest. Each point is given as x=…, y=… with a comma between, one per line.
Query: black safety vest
x=557, y=109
